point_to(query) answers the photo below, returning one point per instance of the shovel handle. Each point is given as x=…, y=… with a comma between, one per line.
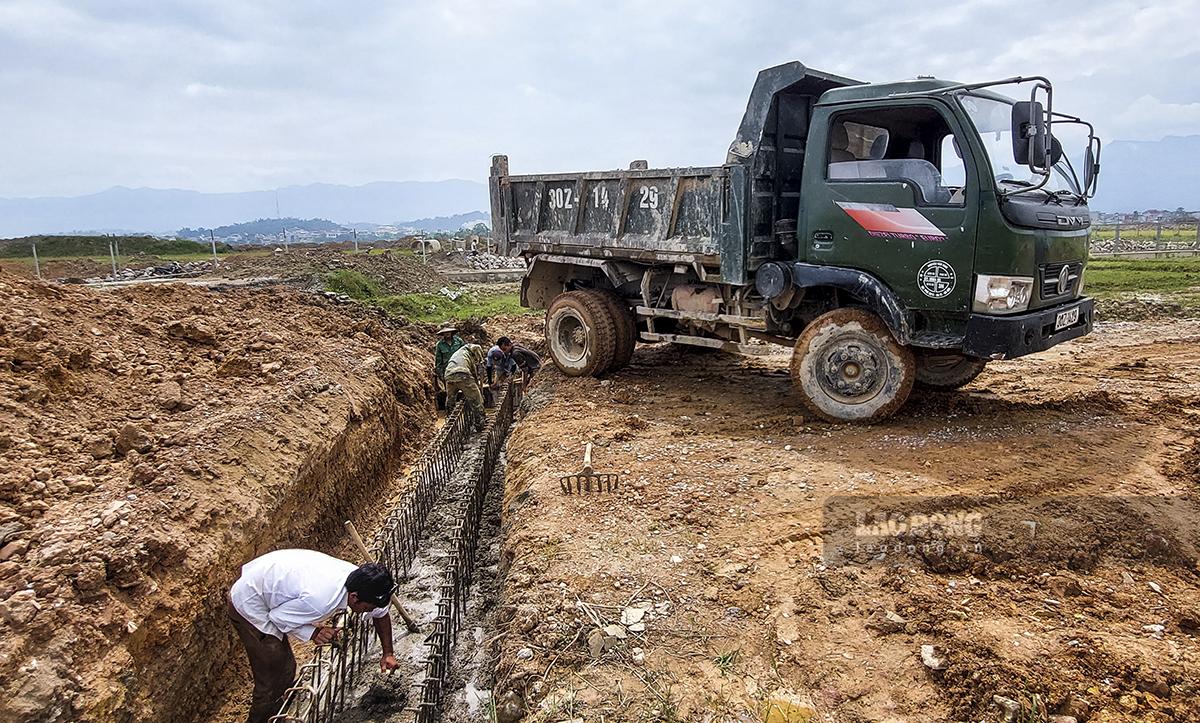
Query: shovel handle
x=358, y=542
x=587, y=459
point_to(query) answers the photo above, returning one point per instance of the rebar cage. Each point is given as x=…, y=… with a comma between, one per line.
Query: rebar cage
x=323, y=685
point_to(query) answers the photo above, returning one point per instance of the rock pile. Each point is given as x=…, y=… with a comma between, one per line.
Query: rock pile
x=168, y=270
x=485, y=261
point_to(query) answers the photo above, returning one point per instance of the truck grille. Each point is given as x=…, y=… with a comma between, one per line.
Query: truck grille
x=1051, y=274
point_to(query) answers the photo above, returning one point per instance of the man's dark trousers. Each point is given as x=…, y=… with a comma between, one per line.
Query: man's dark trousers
x=271, y=662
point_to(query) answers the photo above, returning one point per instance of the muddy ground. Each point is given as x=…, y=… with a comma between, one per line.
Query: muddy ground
x=1064, y=490
x=152, y=440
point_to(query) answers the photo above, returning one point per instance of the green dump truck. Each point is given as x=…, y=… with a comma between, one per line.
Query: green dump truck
x=890, y=233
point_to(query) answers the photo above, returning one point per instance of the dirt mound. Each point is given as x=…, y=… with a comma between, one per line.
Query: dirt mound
x=394, y=272
x=151, y=441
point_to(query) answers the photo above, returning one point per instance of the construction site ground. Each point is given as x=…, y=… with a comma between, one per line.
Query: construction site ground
x=1077, y=596
x=154, y=438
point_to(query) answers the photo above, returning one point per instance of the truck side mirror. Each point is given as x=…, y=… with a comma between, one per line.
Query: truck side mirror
x=1091, y=168
x=1056, y=151
x=1029, y=133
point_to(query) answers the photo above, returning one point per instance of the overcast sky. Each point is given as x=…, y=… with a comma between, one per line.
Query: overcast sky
x=235, y=95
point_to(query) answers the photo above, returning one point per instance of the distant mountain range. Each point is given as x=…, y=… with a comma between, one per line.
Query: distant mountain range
x=446, y=223
x=1136, y=175
x=150, y=210
x=308, y=229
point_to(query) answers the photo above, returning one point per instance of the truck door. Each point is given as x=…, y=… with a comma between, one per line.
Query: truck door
x=888, y=190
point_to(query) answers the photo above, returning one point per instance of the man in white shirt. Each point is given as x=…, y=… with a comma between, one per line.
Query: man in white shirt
x=291, y=592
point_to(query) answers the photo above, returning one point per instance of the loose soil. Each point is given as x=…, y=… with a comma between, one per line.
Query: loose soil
x=1071, y=589
x=152, y=440
x=394, y=272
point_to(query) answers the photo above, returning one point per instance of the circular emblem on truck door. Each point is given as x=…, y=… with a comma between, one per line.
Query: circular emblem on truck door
x=936, y=279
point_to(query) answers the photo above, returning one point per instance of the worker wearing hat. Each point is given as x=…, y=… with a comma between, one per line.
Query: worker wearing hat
x=449, y=343
x=463, y=373
x=292, y=592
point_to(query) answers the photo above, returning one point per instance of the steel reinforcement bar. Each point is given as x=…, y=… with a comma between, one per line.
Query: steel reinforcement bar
x=461, y=563
x=323, y=684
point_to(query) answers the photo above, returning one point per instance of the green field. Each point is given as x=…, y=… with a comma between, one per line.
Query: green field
x=1174, y=233
x=1153, y=286
x=1106, y=277
x=427, y=307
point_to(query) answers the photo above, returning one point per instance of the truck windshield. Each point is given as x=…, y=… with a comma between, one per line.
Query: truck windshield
x=993, y=120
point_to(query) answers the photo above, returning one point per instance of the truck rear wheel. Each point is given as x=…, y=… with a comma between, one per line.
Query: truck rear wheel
x=625, y=327
x=580, y=334
x=848, y=368
x=946, y=370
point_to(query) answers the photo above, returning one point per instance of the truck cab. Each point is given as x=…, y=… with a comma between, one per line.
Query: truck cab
x=892, y=234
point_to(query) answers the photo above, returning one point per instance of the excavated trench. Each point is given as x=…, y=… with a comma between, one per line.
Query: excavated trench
x=393, y=697
x=442, y=538
x=338, y=480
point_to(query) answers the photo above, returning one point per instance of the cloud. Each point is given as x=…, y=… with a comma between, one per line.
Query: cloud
x=203, y=90
x=228, y=95
x=1150, y=119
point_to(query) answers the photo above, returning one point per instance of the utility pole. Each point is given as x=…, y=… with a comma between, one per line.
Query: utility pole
x=213, y=240
x=112, y=256
x=37, y=268
x=355, y=232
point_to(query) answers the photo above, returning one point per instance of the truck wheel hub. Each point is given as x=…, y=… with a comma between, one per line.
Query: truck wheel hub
x=572, y=338
x=852, y=371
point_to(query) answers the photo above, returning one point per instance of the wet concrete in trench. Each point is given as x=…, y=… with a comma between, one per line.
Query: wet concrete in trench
x=393, y=697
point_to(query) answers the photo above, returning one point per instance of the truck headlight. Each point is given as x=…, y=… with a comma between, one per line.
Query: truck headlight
x=1002, y=294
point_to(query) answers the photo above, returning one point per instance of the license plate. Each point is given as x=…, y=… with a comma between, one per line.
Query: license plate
x=1070, y=317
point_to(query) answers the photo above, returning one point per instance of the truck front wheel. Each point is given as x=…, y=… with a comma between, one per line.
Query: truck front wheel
x=946, y=370
x=580, y=334
x=848, y=368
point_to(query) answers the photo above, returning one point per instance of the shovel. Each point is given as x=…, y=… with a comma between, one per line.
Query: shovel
x=441, y=392
x=586, y=480
x=358, y=542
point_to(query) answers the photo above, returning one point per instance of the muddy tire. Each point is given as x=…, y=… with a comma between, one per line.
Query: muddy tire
x=580, y=334
x=848, y=367
x=625, y=326
x=946, y=370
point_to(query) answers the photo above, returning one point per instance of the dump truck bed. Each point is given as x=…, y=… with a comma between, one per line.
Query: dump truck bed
x=722, y=217
x=667, y=214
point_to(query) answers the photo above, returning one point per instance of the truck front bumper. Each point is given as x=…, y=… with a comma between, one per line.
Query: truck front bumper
x=1008, y=337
